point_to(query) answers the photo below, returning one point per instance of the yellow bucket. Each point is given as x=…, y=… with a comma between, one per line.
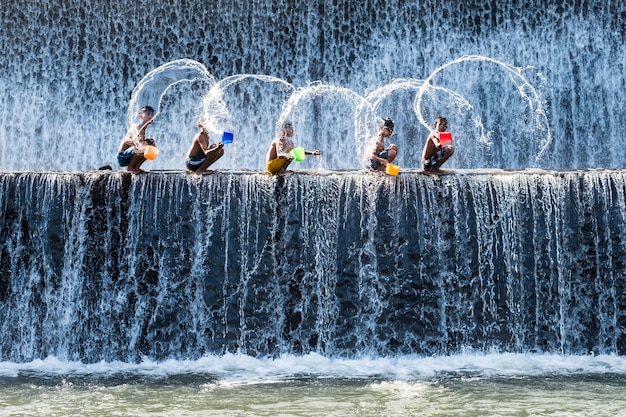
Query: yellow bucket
x=151, y=152
x=298, y=154
x=392, y=169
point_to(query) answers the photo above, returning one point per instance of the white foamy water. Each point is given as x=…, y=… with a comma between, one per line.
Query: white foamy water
x=242, y=369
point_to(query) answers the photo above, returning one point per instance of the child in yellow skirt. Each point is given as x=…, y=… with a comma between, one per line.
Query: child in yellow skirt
x=279, y=155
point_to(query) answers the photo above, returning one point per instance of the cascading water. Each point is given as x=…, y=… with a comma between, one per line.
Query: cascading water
x=170, y=266
x=106, y=266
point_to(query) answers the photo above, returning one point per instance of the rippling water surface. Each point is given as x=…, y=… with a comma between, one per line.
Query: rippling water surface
x=233, y=385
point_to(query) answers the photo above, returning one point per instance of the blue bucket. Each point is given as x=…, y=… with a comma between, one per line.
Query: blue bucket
x=227, y=137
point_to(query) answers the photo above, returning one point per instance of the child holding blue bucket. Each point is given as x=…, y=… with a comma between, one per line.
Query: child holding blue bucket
x=281, y=152
x=202, y=154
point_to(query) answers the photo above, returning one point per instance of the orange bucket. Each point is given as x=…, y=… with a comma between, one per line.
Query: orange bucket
x=151, y=152
x=445, y=138
x=392, y=169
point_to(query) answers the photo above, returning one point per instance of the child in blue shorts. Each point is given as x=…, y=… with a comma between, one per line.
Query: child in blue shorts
x=435, y=154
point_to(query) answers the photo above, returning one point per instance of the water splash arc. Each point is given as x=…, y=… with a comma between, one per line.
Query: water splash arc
x=150, y=90
x=533, y=99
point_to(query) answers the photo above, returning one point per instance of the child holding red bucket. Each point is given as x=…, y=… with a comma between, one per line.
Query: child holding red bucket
x=437, y=150
x=279, y=156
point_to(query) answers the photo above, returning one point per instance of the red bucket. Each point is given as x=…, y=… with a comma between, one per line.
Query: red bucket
x=445, y=138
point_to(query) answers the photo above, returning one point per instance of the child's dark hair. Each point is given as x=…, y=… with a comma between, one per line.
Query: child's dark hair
x=387, y=123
